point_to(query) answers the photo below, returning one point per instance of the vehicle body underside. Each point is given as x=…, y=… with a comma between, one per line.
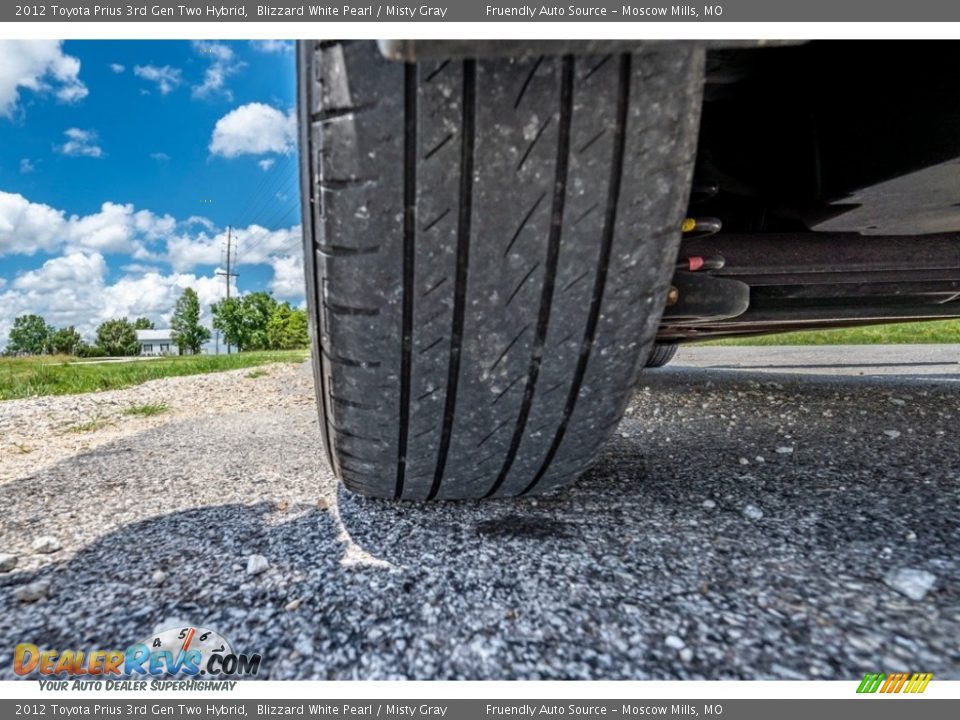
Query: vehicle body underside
x=826, y=191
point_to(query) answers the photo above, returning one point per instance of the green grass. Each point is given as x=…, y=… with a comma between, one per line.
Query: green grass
x=253, y=375
x=61, y=375
x=89, y=425
x=146, y=410
x=937, y=331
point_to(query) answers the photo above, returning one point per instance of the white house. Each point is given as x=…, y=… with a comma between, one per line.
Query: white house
x=156, y=342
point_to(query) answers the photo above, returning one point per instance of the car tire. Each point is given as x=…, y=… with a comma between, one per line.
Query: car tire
x=488, y=244
x=661, y=354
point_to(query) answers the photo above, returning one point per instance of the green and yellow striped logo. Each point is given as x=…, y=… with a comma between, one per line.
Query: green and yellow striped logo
x=895, y=682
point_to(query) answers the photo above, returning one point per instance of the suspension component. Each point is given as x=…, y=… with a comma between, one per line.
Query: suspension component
x=700, y=227
x=698, y=262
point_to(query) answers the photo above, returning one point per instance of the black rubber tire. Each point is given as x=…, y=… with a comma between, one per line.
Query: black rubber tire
x=661, y=354
x=488, y=246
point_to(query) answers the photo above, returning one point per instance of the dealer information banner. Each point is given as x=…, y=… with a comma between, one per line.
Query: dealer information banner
x=472, y=11
x=479, y=709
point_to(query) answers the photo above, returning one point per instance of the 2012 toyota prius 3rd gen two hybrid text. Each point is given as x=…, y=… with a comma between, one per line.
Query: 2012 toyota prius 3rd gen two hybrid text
x=500, y=234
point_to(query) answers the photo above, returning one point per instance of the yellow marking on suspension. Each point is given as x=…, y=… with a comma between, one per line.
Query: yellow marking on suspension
x=689, y=225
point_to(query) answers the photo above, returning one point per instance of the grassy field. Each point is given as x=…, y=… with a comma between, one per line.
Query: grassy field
x=62, y=375
x=937, y=331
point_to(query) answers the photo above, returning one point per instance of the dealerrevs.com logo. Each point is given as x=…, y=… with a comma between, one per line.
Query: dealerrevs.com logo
x=187, y=650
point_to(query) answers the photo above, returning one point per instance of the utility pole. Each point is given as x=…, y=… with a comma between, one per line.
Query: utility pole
x=229, y=273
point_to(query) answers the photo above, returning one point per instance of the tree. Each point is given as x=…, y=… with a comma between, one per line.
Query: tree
x=259, y=307
x=244, y=320
x=65, y=341
x=188, y=333
x=228, y=317
x=29, y=335
x=143, y=323
x=287, y=329
x=117, y=337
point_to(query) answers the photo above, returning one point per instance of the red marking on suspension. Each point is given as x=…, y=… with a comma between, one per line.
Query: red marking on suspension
x=696, y=262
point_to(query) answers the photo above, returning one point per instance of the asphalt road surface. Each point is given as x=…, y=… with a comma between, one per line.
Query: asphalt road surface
x=758, y=514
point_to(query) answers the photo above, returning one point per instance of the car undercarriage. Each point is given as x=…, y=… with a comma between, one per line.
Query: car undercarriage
x=826, y=191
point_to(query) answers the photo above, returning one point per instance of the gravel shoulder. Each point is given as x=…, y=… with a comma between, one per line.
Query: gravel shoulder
x=38, y=432
x=740, y=524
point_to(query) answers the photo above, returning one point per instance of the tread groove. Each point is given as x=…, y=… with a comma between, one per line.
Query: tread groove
x=533, y=142
x=550, y=269
x=597, y=67
x=584, y=214
x=328, y=114
x=437, y=71
x=342, y=251
x=573, y=282
x=503, y=392
x=438, y=146
x=492, y=432
x=409, y=259
x=522, y=283
x=591, y=141
x=463, y=261
x=337, y=309
x=352, y=403
x=349, y=362
x=606, y=247
x=427, y=394
x=433, y=287
x=526, y=82
x=432, y=345
x=523, y=224
x=507, y=348
x=439, y=217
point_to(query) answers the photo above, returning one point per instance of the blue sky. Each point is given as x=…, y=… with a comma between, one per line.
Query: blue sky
x=123, y=162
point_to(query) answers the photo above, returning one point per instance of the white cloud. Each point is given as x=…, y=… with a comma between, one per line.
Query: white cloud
x=272, y=46
x=81, y=143
x=73, y=269
x=266, y=164
x=27, y=227
x=26, y=166
x=287, y=276
x=199, y=220
x=254, y=245
x=160, y=157
x=117, y=68
x=222, y=65
x=254, y=129
x=39, y=66
x=167, y=78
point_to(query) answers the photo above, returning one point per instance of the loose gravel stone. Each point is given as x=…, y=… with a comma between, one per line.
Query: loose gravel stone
x=8, y=561
x=158, y=577
x=46, y=544
x=32, y=592
x=784, y=450
x=672, y=641
x=709, y=504
x=912, y=582
x=257, y=564
x=752, y=512
x=893, y=434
